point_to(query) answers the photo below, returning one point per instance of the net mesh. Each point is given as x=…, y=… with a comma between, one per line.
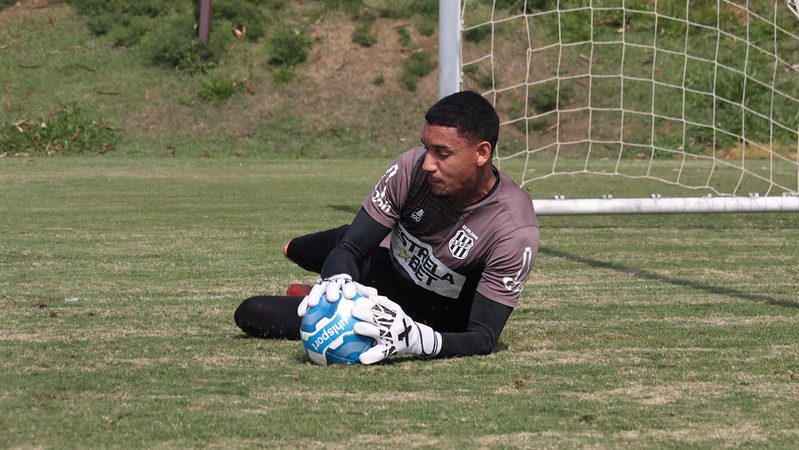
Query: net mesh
x=693, y=95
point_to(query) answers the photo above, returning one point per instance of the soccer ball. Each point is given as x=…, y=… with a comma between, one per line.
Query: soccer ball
x=327, y=335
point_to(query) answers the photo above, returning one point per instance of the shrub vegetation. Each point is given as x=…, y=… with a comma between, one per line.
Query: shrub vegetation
x=68, y=129
x=418, y=65
x=288, y=47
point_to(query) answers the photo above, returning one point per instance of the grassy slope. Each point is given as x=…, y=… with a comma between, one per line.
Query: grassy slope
x=332, y=108
x=119, y=279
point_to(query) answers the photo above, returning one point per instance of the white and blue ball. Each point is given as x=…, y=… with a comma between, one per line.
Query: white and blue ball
x=326, y=331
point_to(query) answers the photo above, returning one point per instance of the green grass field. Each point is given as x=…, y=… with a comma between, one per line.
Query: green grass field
x=119, y=278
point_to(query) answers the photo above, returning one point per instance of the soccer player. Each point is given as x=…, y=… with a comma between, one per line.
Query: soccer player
x=444, y=235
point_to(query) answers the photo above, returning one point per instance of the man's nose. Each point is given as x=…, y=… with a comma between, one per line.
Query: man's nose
x=429, y=163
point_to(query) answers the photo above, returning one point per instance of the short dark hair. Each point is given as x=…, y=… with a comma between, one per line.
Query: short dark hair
x=471, y=114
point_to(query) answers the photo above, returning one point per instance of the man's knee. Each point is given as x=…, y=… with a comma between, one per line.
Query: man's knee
x=310, y=251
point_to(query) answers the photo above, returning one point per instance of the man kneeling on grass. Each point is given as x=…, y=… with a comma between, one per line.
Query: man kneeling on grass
x=444, y=235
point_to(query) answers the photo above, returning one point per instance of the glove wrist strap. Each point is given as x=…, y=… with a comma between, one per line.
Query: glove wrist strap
x=429, y=341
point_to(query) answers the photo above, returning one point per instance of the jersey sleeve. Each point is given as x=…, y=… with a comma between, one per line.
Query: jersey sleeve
x=385, y=201
x=508, y=265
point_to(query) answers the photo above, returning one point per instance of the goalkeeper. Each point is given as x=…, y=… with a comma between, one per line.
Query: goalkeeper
x=444, y=235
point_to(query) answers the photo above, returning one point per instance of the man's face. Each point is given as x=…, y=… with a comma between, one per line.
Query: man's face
x=452, y=163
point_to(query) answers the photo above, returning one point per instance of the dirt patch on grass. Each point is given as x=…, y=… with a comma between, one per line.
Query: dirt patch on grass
x=382, y=397
x=402, y=440
x=258, y=359
x=548, y=357
x=654, y=395
x=556, y=439
x=739, y=435
x=750, y=150
x=32, y=5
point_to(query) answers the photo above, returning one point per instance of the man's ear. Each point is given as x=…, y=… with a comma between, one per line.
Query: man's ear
x=483, y=153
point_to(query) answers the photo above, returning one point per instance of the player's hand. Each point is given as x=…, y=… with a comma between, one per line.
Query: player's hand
x=392, y=329
x=333, y=288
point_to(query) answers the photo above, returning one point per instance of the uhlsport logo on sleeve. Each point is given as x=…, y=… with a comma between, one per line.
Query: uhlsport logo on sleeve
x=379, y=193
x=460, y=244
x=516, y=282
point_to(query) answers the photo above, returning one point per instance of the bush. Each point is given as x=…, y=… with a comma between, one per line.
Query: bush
x=405, y=9
x=485, y=80
x=426, y=25
x=353, y=8
x=283, y=74
x=171, y=43
x=288, y=47
x=242, y=15
x=418, y=65
x=471, y=69
x=94, y=8
x=66, y=130
x=545, y=99
x=130, y=32
x=363, y=34
x=101, y=25
x=146, y=8
x=152, y=8
x=527, y=6
x=404, y=36
x=477, y=34
x=217, y=89
x=103, y=16
x=271, y=4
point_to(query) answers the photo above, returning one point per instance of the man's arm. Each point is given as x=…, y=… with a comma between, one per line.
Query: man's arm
x=504, y=278
x=486, y=321
x=363, y=236
x=396, y=333
x=341, y=268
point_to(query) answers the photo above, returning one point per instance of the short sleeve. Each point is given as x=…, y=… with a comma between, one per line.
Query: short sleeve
x=508, y=264
x=385, y=202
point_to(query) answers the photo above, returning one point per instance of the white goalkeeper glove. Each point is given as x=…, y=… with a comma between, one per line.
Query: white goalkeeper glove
x=392, y=329
x=333, y=288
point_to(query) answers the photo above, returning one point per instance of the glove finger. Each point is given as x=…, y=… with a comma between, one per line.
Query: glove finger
x=374, y=354
x=303, y=308
x=362, y=310
x=333, y=291
x=384, y=301
x=366, y=291
x=366, y=329
x=313, y=297
x=350, y=290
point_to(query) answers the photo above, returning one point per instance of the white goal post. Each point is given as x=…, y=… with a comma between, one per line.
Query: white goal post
x=681, y=106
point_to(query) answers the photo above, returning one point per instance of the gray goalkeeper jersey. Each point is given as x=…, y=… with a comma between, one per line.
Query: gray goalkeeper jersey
x=441, y=248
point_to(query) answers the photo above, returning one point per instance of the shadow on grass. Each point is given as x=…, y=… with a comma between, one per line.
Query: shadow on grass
x=693, y=284
x=302, y=358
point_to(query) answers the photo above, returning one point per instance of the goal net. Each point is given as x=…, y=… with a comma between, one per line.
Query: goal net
x=692, y=100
